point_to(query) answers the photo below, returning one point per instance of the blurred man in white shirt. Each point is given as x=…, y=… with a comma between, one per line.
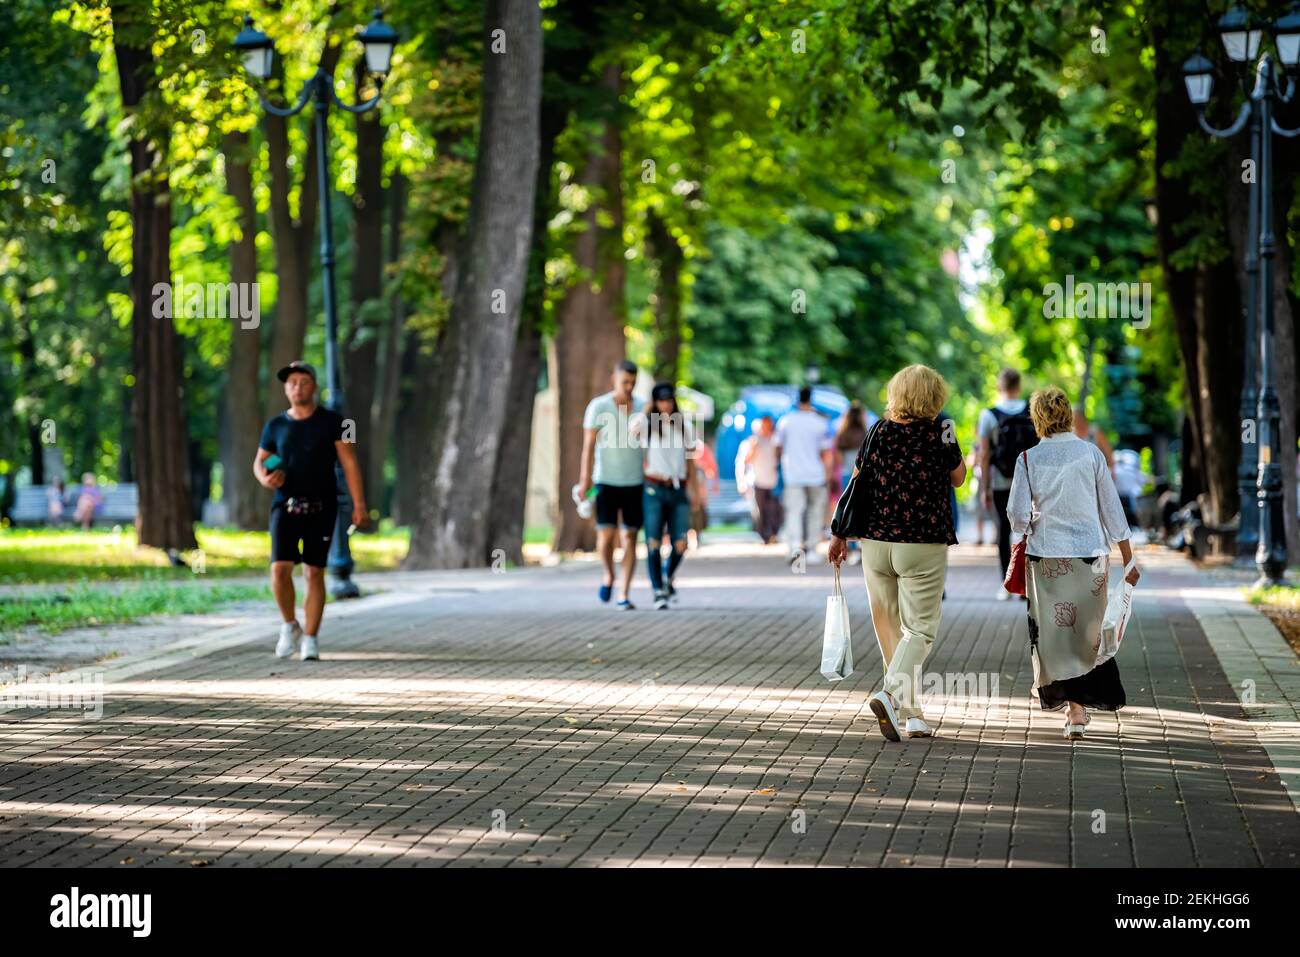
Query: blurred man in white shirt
x=808, y=468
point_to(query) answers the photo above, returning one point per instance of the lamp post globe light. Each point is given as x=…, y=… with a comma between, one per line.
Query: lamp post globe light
x=378, y=39
x=1198, y=75
x=1286, y=37
x=1240, y=34
x=1262, y=520
x=257, y=52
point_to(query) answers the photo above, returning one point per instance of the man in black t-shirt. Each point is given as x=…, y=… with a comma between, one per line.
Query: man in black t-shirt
x=306, y=441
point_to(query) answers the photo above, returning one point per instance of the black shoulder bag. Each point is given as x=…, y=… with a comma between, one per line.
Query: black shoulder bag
x=851, y=513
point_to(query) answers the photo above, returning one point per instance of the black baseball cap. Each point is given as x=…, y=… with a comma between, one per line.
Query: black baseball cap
x=663, y=390
x=297, y=365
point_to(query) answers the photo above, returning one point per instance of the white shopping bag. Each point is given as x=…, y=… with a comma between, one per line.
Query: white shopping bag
x=837, y=647
x=1119, y=606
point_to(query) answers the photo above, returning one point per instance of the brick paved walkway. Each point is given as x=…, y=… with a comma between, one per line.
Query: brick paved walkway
x=471, y=718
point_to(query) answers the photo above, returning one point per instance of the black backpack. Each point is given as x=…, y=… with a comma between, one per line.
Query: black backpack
x=1015, y=433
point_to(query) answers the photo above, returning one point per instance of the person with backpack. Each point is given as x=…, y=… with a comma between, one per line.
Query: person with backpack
x=1004, y=431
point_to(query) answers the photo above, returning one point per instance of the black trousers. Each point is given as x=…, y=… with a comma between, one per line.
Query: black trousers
x=1000, y=499
x=769, y=517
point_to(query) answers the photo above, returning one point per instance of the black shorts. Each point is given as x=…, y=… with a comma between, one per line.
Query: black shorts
x=314, y=531
x=611, y=500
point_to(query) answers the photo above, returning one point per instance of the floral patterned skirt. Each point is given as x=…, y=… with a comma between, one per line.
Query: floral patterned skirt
x=1067, y=602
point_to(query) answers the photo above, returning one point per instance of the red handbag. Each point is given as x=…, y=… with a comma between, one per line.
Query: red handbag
x=1015, y=580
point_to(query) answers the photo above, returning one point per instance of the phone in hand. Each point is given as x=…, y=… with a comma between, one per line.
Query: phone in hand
x=272, y=462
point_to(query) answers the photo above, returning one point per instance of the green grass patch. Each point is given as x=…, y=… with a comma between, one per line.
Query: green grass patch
x=88, y=605
x=730, y=528
x=1277, y=596
x=68, y=555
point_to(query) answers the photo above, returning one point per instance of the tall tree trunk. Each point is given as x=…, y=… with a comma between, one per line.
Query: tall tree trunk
x=1284, y=373
x=200, y=480
x=1204, y=298
x=510, y=481
x=366, y=328
x=421, y=374
x=125, y=461
x=510, y=485
x=25, y=330
x=667, y=254
x=1219, y=357
x=246, y=500
x=390, y=372
x=157, y=409
x=291, y=237
x=85, y=446
x=1089, y=351
x=590, y=340
x=1286, y=159
x=455, y=121
x=453, y=528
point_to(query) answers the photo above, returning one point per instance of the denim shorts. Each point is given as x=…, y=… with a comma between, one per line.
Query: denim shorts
x=665, y=505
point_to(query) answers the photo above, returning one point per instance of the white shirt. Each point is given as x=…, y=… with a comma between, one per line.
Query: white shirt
x=666, y=446
x=618, y=453
x=803, y=436
x=986, y=427
x=1129, y=477
x=1070, y=497
x=762, y=472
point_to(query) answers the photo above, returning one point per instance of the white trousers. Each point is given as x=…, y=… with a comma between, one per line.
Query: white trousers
x=805, y=510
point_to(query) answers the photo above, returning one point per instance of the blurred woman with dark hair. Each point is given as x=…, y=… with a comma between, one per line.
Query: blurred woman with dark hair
x=670, y=449
x=849, y=436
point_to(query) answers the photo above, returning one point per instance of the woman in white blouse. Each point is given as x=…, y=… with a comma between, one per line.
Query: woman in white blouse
x=670, y=451
x=1064, y=500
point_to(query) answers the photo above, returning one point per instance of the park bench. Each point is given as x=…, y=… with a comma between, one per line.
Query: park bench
x=118, y=507
x=727, y=506
x=1210, y=539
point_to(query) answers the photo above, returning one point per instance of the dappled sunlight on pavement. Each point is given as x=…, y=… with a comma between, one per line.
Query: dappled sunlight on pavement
x=512, y=719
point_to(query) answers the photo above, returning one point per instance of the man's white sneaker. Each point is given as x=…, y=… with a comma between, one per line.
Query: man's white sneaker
x=290, y=632
x=661, y=600
x=917, y=728
x=309, y=652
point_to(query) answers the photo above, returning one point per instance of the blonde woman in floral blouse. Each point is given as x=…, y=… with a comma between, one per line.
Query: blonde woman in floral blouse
x=910, y=462
x=1064, y=499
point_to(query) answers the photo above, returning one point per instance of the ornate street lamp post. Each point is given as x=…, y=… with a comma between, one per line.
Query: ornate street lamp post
x=1241, y=35
x=257, y=52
